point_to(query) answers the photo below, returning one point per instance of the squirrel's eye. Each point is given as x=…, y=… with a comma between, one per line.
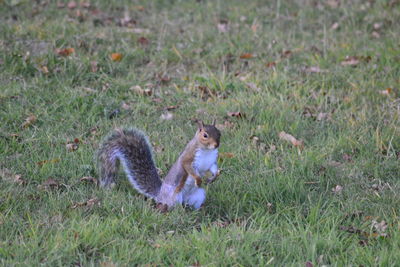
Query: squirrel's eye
x=205, y=135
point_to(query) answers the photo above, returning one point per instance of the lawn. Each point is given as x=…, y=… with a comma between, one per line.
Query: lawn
x=305, y=93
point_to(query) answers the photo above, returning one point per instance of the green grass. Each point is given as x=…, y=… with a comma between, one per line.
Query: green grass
x=269, y=206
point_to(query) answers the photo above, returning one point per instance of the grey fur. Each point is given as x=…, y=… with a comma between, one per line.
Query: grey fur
x=131, y=148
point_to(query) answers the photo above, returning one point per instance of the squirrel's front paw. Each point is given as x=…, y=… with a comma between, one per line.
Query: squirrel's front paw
x=198, y=182
x=214, y=177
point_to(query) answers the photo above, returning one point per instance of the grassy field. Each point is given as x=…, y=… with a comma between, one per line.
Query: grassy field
x=327, y=73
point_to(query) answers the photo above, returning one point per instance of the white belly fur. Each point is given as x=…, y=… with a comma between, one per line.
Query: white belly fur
x=204, y=159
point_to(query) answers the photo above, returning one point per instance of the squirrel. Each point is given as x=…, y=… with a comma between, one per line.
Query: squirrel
x=132, y=149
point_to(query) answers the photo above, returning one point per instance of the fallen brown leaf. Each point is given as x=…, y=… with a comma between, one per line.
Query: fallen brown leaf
x=138, y=89
x=172, y=107
x=19, y=180
x=270, y=64
x=254, y=27
x=350, y=61
x=40, y=163
x=314, y=70
x=347, y=157
x=143, y=41
x=335, y=26
x=167, y=116
x=225, y=125
x=205, y=92
x=8, y=175
x=89, y=203
x=65, y=52
x=29, y=121
x=94, y=66
x=223, y=26
x=286, y=53
x=236, y=114
x=44, y=69
x=323, y=116
x=376, y=34
x=227, y=155
x=125, y=106
x=50, y=183
x=387, y=91
x=253, y=86
x=71, y=147
x=72, y=5
x=85, y=4
x=246, y=56
x=380, y=227
x=89, y=179
x=163, y=78
x=116, y=56
x=337, y=189
x=290, y=138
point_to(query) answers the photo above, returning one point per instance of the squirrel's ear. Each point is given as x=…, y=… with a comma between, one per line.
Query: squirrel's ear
x=214, y=121
x=200, y=124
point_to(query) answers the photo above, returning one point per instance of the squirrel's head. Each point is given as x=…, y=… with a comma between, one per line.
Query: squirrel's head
x=208, y=135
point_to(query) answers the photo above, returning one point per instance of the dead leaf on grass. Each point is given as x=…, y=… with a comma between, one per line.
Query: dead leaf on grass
x=89, y=179
x=223, y=26
x=226, y=155
x=337, y=189
x=163, y=78
x=71, y=147
x=270, y=64
x=125, y=106
x=143, y=41
x=167, y=116
x=144, y=92
x=225, y=125
x=41, y=163
x=347, y=157
x=286, y=53
x=246, y=56
x=72, y=5
x=376, y=34
x=314, y=69
x=290, y=138
x=94, y=66
x=387, y=91
x=89, y=203
x=85, y=4
x=253, y=86
x=29, y=121
x=172, y=107
x=236, y=114
x=335, y=26
x=127, y=21
x=44, y=69
x=350, y=61
x=380, y=227
x=50, y=183
x=323, y=116
x=7, y=175
x=65, y=52
x=19, y=180
x=116, y=57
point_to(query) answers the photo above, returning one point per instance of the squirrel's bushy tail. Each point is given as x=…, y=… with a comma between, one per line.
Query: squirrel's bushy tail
x=131, y=148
